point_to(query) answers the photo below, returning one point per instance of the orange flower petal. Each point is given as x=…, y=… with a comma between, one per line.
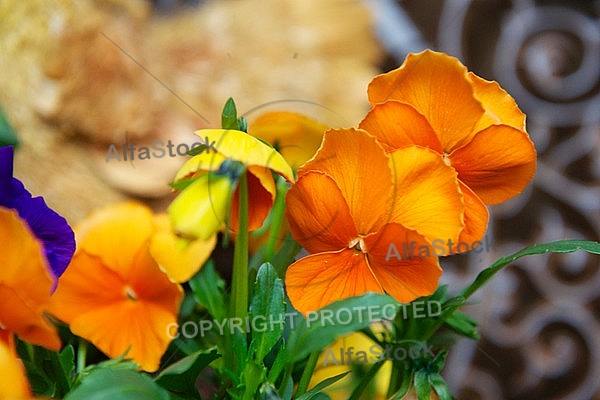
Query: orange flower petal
x=116, y=310
x=404, y=262
x=261, y=195
x=397, y=125
x=497, y=164
x=360, y=168
x=117, y=226
x=295, y=135
x=179, y=261
x=247, y=149
x=500, y=107
x=319, y=223
x=436, y=85
x=25, y=283
x=13, y=382
x=427, y=198
x=320, y=279
x=476, y=217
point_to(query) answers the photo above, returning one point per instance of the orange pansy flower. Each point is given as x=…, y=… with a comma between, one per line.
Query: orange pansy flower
x=13, y=382
x=113, y=293
x=350, y=203
x=25, y=283
x=473, y=124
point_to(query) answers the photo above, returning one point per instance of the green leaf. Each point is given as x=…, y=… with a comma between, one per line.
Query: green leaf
x=268, y=304
x=440, y=386
x=229, y=115
x=110, y=384
x=182, y=183
x=422, y=385
x=8, y=136
x=208, y=288
x=317, y=331
x=322, y=385
x=253, y=377
x=464, y=324
x=180, y=377
x=561, y=246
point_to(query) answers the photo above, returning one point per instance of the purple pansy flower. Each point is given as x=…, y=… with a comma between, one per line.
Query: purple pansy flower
x=49, y=227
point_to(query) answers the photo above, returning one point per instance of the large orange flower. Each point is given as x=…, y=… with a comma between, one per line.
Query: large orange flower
x=13, y=383
x=351, y=203
x=114, y=293
x=25, y=283
x=474, y=125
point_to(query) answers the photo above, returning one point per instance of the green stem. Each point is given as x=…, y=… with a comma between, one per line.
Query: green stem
x=364, y=382
x=307, y=373
x=81, y=355
x=277, y=213
x=239, y=286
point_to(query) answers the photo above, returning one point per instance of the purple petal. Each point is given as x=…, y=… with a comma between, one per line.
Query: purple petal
x=49, y=227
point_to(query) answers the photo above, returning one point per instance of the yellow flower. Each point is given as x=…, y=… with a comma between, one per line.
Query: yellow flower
x=258, y=158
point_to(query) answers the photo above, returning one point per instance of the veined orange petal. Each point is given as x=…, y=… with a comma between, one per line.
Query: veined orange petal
x=25, y=283
x=497, y=164
x=296, y=136
x=320, y=279
x=437, y=86
x=179, y=259
x=247, y=149
x=476, y=217
x=261, y=195
x=115, y=313
x=13, y=382
x=360, y=168
x=319, y=223
x=500, y=107
x=427, y=197
x=404, y=262
x=397, y=125
x=117, y=226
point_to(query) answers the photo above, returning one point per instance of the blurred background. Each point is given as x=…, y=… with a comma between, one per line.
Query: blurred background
x=77, y=77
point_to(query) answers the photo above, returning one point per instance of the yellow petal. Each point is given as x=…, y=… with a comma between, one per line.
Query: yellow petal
x=200, y=163
x=179, y=260
x=296, y=136
x=247, y=149
x=200, y=210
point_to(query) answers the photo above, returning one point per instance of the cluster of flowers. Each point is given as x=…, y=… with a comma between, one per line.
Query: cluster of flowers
x=438, y=145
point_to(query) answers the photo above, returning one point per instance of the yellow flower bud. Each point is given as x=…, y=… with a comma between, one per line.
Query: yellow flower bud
x=200, y=210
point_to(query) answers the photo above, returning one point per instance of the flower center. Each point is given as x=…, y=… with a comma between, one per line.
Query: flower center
x=130, y=293
x=358, y=244
x=446, y=158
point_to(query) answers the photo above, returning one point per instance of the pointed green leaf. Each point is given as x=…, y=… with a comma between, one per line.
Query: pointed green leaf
x=312, y=393
x=180, y=377
x=110, y=384
x=317, y=331
x=561, y=246
x=267, y=309
x=208, y=288
x=7, y=134
x=229, y=115
x=440, y=386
